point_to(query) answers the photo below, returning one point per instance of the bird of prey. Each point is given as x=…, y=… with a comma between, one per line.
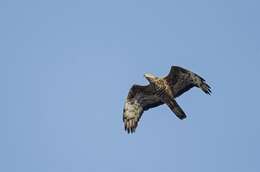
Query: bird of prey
x=160, y=91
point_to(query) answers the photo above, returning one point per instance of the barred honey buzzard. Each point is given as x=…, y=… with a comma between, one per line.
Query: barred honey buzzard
x=160, y=91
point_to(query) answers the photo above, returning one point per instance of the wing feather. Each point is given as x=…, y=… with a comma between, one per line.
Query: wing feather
x=139, y=99
x=182, y=80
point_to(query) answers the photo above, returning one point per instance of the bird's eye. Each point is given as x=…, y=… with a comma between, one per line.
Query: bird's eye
x=124, y=110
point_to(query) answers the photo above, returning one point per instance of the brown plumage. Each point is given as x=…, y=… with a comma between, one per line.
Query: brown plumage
x=160, y=91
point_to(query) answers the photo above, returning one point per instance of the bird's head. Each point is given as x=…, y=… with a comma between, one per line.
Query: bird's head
x=150, y=77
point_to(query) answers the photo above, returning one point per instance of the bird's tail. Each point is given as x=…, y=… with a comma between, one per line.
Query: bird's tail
x=173, y=105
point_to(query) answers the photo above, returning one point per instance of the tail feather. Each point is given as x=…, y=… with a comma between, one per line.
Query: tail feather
x=173, y=105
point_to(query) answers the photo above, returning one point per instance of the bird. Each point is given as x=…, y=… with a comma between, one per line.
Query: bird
x=160, y=91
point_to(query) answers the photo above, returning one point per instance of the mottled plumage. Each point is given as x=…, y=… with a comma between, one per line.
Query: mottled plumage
x=160, y=91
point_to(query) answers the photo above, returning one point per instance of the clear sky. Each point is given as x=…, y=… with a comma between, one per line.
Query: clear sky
x=66, y=68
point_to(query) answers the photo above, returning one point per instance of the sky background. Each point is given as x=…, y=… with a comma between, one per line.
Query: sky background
x=66, y=68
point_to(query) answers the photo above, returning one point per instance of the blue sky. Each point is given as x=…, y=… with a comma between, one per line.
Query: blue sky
x=66, y=68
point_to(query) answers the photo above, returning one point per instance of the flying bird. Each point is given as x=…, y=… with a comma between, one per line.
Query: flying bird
x=160, y=91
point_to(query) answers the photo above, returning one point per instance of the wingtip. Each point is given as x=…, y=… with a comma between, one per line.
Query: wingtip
x=206, y=88
x=130, y=130
x=208, y=91
x=130, y=126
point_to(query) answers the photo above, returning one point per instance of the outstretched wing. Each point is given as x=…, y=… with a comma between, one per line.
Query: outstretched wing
x=139, y=99
x=181, y=80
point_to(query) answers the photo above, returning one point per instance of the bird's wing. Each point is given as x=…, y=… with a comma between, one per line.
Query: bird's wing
x=139, y=99
x=181, y=80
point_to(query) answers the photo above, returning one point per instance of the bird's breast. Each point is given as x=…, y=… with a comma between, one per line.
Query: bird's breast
x=162, y=89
